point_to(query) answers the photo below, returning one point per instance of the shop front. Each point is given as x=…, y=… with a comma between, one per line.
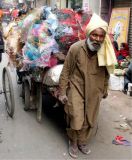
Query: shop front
x=106, y=10
x=126, y=3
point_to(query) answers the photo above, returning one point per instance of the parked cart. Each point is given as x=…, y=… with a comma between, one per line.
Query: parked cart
x=7, y=82
x=32, y=90
x=8, y=91
x=36, y=82
x=44, y=35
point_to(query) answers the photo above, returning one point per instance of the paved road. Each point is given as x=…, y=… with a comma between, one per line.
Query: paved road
x=24, y=138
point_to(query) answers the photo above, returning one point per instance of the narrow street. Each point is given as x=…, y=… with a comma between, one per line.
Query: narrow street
x=24, y=138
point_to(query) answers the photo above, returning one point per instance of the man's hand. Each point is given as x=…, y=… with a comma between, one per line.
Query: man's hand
x=63, y=99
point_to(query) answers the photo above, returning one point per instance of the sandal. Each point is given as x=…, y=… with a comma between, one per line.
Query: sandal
x=83, y=148
x=73, y=150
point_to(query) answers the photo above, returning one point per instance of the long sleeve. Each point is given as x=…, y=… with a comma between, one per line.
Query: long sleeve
x=69, y=64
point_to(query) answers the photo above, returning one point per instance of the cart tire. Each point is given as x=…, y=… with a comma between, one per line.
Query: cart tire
x=26, y=96
x=8, y=91
x=23, y=91
x=39, y=102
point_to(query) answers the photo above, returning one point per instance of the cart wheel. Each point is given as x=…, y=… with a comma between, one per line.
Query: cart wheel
x=39, y=102
x=26, y=96
x=8, y=91
x=23, y=91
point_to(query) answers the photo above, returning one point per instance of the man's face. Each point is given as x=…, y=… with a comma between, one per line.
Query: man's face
x=95, y=39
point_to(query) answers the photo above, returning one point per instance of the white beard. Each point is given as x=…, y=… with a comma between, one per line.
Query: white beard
x=91, y=47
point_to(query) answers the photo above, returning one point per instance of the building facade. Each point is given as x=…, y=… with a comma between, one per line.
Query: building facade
x=93, y=5
x=106, y=9
x=101, y=7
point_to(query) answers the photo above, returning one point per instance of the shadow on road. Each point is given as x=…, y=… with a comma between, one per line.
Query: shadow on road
x=54, y=114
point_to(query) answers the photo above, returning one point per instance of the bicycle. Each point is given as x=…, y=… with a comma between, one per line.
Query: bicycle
x=7, y=83
x=8, y=91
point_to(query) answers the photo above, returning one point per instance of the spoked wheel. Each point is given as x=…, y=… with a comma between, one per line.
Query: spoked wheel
x=8, y=91
x=39, y=102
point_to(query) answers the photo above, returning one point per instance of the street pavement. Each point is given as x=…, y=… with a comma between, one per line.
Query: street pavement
x=24, y=138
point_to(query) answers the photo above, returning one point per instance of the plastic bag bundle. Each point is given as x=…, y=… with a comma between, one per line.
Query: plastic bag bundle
x=13, y=41
x=31, y=59
x=66, y=36
x=63, y=30
x=45, y=51
x=39, y=56
x=44, y=32
x=33, y=35
x=31, y=52
x=39, y=46
x=70, y=20
x=30, y=19
x=67, y=32
x=27, y=23
x=66, y=16
x=50, y=18
x=82, y=19
x=38, y=33
x=51, y=46
x=52, y=76
x=52, y=33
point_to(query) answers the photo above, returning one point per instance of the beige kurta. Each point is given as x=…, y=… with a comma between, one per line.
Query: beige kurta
x=85, y=83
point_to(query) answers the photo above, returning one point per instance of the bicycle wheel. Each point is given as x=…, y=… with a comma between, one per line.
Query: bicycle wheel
x=8, y=91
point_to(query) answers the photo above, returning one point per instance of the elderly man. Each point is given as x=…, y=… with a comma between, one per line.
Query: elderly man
x=84, y=82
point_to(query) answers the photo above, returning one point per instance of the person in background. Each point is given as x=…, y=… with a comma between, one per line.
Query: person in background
x=124, y=50
x=15, y=13
x=127, y=77
x=1, y=44
x=1, y=13
x=84, y=82
x=23, y=10
x=123, y=53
